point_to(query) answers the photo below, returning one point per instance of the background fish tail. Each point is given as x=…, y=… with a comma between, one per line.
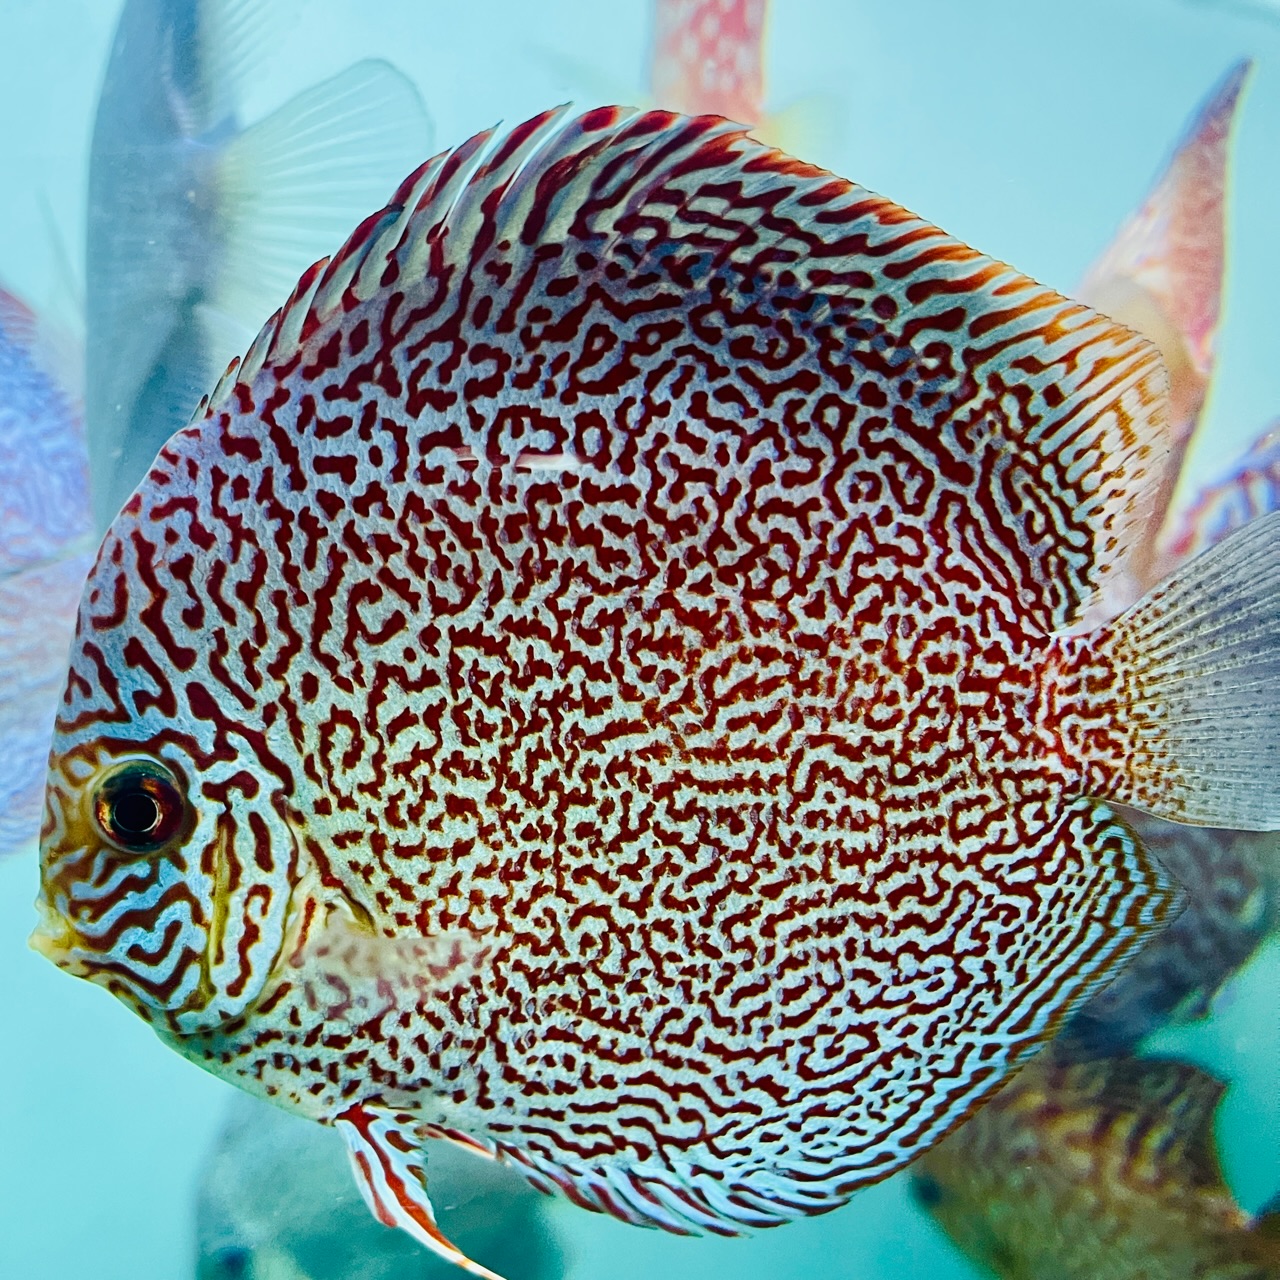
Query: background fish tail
x=1198, y=674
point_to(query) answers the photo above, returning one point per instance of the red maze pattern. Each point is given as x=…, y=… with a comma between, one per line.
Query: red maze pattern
x=636, y=553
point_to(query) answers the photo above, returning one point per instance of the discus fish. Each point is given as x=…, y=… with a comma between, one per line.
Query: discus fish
x=198, y=226
x=45, y=553
x=1098, y=1171
x=276, y=1202
x=614, y=678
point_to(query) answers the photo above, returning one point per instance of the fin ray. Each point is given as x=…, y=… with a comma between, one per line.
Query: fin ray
x=1199, y=659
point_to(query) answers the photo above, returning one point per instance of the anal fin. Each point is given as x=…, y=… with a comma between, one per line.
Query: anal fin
x=390, y=1170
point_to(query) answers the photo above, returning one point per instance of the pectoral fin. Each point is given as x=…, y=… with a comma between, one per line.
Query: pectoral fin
x=390, y=1170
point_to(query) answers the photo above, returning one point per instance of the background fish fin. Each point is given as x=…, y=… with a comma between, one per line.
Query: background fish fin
x=1249, y=489
x=292, y=186
x=1199, y=701
x=234, y=39
x=54, y=348
x=1267, y=1219
x=1162, y=274
x=709, y=58
x=1185, y=1099
x=18, y=323
x=37, y=622
x=390, y=1168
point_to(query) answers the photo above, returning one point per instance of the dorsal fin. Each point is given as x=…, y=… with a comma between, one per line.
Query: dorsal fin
x=1051, y=412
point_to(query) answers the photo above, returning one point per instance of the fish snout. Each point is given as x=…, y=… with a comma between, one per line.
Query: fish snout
x=55, y=939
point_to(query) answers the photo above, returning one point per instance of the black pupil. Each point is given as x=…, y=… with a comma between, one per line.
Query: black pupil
x=138, y=807
x=135, y=813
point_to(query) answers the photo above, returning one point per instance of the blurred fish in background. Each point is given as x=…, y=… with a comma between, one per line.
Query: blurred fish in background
x=1101, y=1170
x=198, y=225
x=196, y=228
x=45, y=552
x=277, y=1202
x=708, y=58
x=1249, y=488
x=1095, y=1162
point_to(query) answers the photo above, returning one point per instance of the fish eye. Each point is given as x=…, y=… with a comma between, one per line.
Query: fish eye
x=139, y=806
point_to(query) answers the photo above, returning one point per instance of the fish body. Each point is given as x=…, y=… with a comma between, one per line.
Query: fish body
x=1104, y=1170
x=609, y=680
x=45, y=553
x=192, y=216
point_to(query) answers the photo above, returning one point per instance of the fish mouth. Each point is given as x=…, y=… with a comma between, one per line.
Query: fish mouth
x=54, y=939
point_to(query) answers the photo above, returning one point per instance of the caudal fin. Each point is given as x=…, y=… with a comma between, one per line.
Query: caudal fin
x=1199, y=660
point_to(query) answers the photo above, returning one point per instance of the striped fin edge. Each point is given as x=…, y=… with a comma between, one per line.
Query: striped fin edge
x=1076, y=403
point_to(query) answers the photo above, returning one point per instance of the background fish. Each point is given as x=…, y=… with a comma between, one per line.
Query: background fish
x=1105, y=1170
x=277, y=1202
x=45, y=553
x=708, y=57
x=1247, y=489
x=197, y=226
x=518, y=711
x=192, y=222
x=1162, y=275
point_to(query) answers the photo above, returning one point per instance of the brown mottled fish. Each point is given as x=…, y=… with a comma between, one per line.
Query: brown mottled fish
x=1103, y=1170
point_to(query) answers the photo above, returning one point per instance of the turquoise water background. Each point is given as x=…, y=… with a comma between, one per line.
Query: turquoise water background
x=1028, y=129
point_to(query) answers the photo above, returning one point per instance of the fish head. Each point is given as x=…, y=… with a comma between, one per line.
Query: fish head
x=168, y=849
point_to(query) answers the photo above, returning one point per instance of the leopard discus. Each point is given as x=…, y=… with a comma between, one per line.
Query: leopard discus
x=628, y=674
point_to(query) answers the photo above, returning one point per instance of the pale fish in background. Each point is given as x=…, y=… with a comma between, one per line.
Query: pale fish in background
x=708, y=58
x=604, y=682
x=46, y=548
x=1162, y=275
x=198, y=225
x=1102, y=1170
x=277, y=1202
